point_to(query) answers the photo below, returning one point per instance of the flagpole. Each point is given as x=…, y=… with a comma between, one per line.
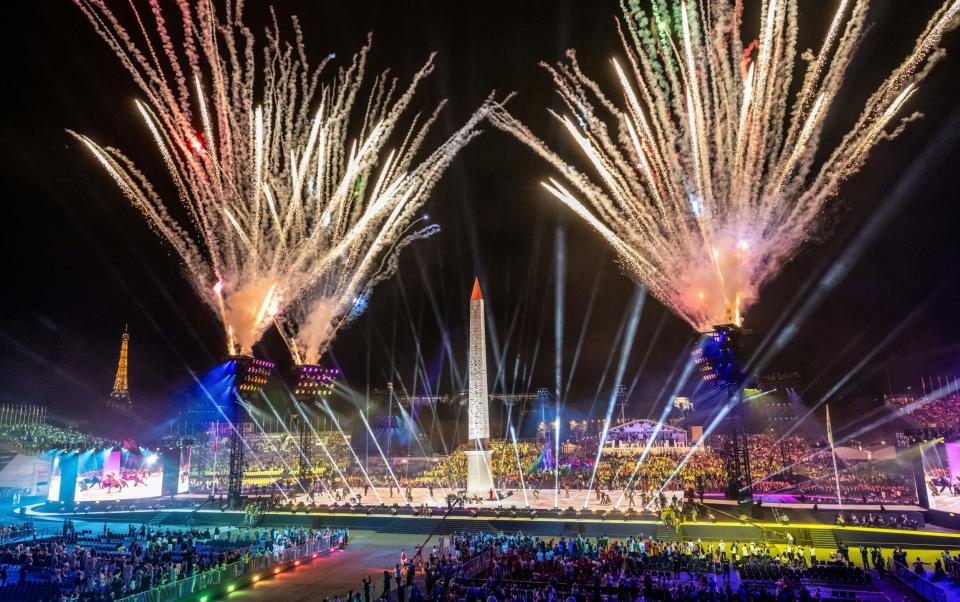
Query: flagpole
x=833, y=452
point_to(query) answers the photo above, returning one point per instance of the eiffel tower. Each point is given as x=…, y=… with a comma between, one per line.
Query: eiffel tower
x=120, y=396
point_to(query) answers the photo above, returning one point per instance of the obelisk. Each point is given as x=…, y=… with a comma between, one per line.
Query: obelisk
x=479, y=479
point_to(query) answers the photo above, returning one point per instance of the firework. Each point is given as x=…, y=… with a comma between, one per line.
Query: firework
x=297, y=193
x=703, y=174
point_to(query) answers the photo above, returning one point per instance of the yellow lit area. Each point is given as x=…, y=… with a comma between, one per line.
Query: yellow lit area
x=780, y=526
x=926, y=556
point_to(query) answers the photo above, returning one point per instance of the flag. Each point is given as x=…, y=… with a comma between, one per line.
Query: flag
x=833, y=452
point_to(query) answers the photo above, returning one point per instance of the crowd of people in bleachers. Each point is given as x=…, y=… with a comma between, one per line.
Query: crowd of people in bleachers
x=913, y=437
x=791, y=467
x=108, y=565
x=273, y=459
x=41, y=437
x=879, y=520
x=935, y=414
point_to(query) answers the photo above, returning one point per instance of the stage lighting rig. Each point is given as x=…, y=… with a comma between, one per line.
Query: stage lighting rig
x=313, y=383
x=251, y=375
x=716, y=356
x=717, y=359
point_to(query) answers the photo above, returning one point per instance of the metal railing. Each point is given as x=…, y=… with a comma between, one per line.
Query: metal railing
x=216, y=577
x=921, y=585
x=952, y=567
x=469, y=568
x=31, y=533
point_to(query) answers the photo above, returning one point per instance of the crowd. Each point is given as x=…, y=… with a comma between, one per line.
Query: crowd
x=913, y=437
x=792, y=466
x=478, y=567
x=789, y=467
x=939, y=572
x=109, y=565
x=878, y=520
x=934, y=414
x=42, y=437
x=273, y=459
x=15, y=531
x=504, y=465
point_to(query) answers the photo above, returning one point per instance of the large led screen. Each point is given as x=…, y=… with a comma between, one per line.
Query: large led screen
x=116, y=474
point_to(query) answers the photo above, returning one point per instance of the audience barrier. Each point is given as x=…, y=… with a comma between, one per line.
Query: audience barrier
x=231, y=572
x=919, y=584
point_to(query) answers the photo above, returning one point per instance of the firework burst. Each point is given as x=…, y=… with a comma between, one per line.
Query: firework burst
x=297, y=194
x=703, y=173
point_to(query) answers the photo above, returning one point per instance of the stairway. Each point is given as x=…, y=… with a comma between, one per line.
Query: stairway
x=824, y=540
x=669, y=534
x=156, y=520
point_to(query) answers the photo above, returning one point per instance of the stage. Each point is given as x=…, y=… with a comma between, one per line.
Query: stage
x=807, y=526
x=548, y=499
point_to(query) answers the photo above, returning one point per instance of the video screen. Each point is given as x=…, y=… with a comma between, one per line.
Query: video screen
x=116, y=474
x=53, y=493
x=183, y=478
x=941, y=470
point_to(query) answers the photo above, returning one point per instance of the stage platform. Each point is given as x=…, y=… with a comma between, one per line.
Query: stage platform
x=547, y=499
x=401, y=520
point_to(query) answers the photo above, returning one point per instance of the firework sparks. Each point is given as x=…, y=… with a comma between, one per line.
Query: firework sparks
x=705, y=182
x=299, y=194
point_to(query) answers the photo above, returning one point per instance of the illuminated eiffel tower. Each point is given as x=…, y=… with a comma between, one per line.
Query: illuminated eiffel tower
x=120, y=396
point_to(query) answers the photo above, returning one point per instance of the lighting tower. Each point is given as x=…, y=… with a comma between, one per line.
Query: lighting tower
x=314, y=383
x=716, y=358
x=120, y=396
x=622, y=402
x=250, y=376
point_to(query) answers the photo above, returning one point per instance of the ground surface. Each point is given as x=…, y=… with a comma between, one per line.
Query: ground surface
x=369, y=554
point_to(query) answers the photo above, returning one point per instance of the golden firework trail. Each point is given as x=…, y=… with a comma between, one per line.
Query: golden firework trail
x=297, y=193
x=701, y=168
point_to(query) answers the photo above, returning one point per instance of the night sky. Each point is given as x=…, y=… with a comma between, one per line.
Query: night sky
x=80, y=262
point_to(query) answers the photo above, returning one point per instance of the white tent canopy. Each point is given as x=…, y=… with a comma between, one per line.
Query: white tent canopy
x=639, y=431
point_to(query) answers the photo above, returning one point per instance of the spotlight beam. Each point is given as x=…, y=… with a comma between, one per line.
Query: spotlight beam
x=409, y=419
x=516, y=452
x=617, y=340
x=293, y=439
x=583, y=331
x=680, y=383
x=486, y=463
x=326, y=407
x=383, y=457
x=233, y=428
x=714, y=423
x=636, y=309
x=266, y=437
x=646, y=355
x=891, y=205
x=319, y=440
x=883, y=419
x=865, y=360
x=455, y=377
